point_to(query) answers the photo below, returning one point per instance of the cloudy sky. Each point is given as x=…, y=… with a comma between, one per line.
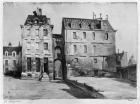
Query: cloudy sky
x=122, y=16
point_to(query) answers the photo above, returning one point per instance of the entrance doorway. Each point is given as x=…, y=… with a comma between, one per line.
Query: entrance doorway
x=29, y=63
x=46, y=65
x=37, y=64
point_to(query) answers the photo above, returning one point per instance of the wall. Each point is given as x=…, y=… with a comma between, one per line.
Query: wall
x=10, y=59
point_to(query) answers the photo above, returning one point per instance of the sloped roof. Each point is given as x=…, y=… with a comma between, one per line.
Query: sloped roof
x=11, y=49
x=88, y=22
x=41, y=19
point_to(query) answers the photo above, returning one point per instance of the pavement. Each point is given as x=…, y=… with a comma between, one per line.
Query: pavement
x=110, y=88
x=31, y=88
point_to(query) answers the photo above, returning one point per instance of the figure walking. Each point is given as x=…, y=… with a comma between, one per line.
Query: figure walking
x=46, y=70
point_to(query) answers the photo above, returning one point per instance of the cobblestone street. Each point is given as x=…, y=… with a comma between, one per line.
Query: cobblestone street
x=33, y=89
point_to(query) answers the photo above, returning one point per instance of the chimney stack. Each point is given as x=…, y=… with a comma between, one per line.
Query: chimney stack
x=39, y=11
x=34, y=12
x=93, y=15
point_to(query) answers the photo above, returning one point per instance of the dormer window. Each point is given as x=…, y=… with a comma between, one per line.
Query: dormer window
x=6, y=53
x=69, y=24
x=29, y=21
x=36, y=21
x=89, y=26
x=80, y=25
x=14, y=54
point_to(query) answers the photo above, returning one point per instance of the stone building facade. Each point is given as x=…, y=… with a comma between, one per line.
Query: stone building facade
x=88, y=42
x=37, y=47
x=11, y=57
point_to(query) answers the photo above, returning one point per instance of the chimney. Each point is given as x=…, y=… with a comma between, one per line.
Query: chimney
x=118, y=50
x=93, y=15
x=39, y=11
x=34, y=12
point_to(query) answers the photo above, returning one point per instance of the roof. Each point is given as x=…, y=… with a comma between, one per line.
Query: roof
x=11, y=49
x=42, y=19
x=85, y=24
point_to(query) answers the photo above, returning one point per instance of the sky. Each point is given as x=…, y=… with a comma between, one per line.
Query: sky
x=122, y=16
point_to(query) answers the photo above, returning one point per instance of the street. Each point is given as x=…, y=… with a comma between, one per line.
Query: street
x=33, y=89
x=110, y=88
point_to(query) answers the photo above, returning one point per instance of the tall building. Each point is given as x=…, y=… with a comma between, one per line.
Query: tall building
x=37, y=49
x=11, y=57
x=88, y=42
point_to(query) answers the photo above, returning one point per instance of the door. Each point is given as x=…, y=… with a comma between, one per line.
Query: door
x=46, y=65
x=37, y=64
x=29, y=63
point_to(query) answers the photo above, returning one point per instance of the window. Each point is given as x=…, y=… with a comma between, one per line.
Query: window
x=28, y=45
x=6, y=62
x=75, y=48
x=74, y=35
x=80, y=25
x=28, y=32
x=37, y=45
x=85, y=48
x=45, y=46
x=14, y=54
x=6, y=53
x=37, y=32
x=14, y=62
x=106, y=36
x=93, y=35
x=95, y=60
x=69, y=24
x=45, y=32
x=89, y=26
x=84, y=35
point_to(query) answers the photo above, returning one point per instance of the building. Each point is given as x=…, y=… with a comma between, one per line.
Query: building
x=11, y=57
x=37, y=49
x=88, y=42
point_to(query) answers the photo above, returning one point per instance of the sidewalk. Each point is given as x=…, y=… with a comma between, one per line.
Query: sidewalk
x=111, y=88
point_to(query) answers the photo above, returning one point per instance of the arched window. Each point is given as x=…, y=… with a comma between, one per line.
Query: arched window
x=6, y=53
x=14, y=54
x=36, y=21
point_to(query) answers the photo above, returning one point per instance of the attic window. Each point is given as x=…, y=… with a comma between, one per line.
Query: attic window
x=36, y=21
x=98, y=24
x=80, y=25
x=29, y=21
x=89, y=26
x=6, y=53
x=14, y=54
x=69, y=24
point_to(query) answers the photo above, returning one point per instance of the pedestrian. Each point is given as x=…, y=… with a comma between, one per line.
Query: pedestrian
x=42, y=71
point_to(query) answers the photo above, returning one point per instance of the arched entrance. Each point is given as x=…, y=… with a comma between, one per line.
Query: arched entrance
x=58, y=69
x=57, y=63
